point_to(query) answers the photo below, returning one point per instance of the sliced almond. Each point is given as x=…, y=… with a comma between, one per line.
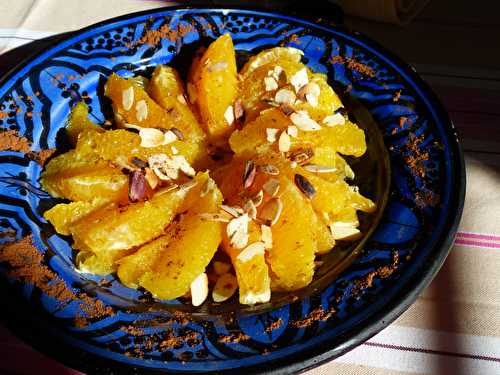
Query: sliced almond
x=266, y=236
x=310, y=93
x=292, y=131
x=287, y=109
x=344, y=231
x=272, y=134
x=271, y=211
x=302, y=120
x=304, y=186
x=334, y=120
x=169, y=137
x=250, y=209
x=141, y=110
x=151, y=178
x=181, y=163
x=237, y=231
x=214, y=217
x=270, y=83
x=299, y=79
x=128, y=98
x=269, y=169
x=285, y=96
x=178, y=133
x=151, y=137
x=249, y=174
x=258, y=198
x=271, y=187
x=199, y=289
x=233, y=211
x=229, y=115
x=276, y=73
x=301, y=156
x=224, y=288
x=239, y=240
x=256, y=248
x=132, y=126
x=284, y=142
x=319, y=168
x=221, y=268
x=182, y=99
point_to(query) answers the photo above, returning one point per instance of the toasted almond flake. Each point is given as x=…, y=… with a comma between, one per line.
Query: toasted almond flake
x=128, y=98
x=266, y=236
x=239, y=240
x=249, y=174
x=151, y=137
x=224, y=288
x=258, y=198
x=284, y=96
x=252, y=298
x=233, y=211
x=141, y=110
x=214, y=217
x=151, y=178
x=169, y=137
x=271, y=187
x=178, y=133
x=301, y=156
x=269, y=169
x=271, y=211
x=182, y=99
x=221, y=268
x=299, y=79
x=167, y=168
x=250, y=209
x=174, y=150
x=181, y=163
x=199, y=289
x=256, y=248
x=239, y=111
x=132, y=126
x=302, y=120
x=209, y=186
x=270, y=83
x=236, y=224
x=349, y=173
x=192, y=93
x=304, y=186
x=292, y=131
x=319, y=168
x=271, y=134
x=310, y=93
x=284, y=142
x=217, y=67
x=344, y=231
x=334, y=120
x=229, y=115
x=312, y=100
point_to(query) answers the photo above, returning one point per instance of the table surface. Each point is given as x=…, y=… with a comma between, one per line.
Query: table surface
x=454, y=326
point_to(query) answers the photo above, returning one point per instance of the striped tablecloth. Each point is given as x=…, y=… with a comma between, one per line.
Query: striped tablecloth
x=454, y=326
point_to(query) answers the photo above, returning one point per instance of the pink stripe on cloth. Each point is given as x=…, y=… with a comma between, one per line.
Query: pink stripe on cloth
x=488, y=237
x=491, y=245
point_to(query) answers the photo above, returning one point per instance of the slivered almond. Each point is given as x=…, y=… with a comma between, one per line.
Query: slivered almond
x=233, y=211
x=224, y=288
x=285, y=96
x=271, y=134
x=250, y=209
x=271, y=211
x=229, y=115
x=299, y=79
x=284, y=142
x=199, y=289
x=292, y=131
x=271, y=187
x=266, y=236
x=141, y=110
x=319, y=168
x=302, y=120
x=334, y=120
x=128, y=98
x=269, y=169
x=270, y=83
x=220, y=268
x=151, y=178
x=258, y=198
x=256, y=248
x=151, y=137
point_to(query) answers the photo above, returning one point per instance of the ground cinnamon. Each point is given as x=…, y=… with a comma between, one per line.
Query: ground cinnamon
x=153, y=37
x=318, y=314
x=354, y=65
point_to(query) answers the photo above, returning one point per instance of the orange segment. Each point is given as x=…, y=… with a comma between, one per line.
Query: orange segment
x=79, y=122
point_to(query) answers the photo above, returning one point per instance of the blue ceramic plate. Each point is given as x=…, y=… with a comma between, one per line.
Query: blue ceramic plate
x=97, y=325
